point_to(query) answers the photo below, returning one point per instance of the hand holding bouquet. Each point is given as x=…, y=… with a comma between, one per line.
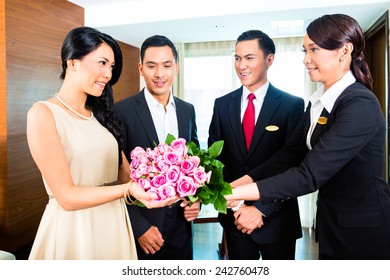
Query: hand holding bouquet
x=179, y=168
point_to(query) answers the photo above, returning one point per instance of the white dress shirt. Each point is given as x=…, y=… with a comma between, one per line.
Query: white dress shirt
x=164, y=119
x=325, y=99
x=257, y=102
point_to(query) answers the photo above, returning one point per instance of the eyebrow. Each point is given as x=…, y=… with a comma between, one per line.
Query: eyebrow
x=153, y=62
x=106, y=59
x=310, y=45
x=247, y=55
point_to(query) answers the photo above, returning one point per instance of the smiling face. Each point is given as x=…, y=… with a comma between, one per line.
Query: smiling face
x=159, y=70
x=94, y=70
x=324, y=65
x=251, y=65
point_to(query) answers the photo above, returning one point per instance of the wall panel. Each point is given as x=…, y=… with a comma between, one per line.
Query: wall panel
x=128, y=83
x=31, y=34
x=34, y=31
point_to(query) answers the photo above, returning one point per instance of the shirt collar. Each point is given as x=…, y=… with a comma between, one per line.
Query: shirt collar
x=259, y=93
x=333, y=92
x=152, y=102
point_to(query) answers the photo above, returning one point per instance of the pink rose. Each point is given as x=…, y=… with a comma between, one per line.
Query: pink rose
x=134, y=163
x=138, y=151
x=158, y=180
x=154, y=155
x=133, y=174
x=172, y=158
x=172, y=174
x=143, y=159
x=162, y=148
x=190, y=164
x=200, y=175
x=145, y=183
x=155, y=190
x=166, y=191
x=186, y=186
x=161, y=166
x=142, y=170
x=179, y=146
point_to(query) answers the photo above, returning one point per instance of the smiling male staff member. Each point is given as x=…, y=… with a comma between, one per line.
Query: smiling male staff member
x=256, y=231
x=147, y=118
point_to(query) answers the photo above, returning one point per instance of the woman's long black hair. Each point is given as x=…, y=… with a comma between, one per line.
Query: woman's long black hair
x=78, y=43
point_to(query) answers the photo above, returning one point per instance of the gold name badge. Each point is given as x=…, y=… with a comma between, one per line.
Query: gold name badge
x=322, y=120
x=272, y=128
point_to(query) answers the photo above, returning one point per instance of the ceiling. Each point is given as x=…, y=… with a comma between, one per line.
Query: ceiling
x=183, y=21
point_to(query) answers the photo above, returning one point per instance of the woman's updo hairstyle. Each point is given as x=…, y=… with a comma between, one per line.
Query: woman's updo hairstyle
x=331, y=32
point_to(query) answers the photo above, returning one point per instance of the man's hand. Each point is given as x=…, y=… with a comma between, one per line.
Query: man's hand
x=248, y=218
x=190, y=212
x=151, y=241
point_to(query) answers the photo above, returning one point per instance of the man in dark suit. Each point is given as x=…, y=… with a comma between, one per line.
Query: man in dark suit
x=147, y=118
x=256, y=230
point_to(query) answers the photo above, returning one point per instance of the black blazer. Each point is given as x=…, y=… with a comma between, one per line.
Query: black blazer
x=346, y=166
x=139, y=130
x=279, y=109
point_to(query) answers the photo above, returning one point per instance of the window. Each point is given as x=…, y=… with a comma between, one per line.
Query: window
x=205, y=79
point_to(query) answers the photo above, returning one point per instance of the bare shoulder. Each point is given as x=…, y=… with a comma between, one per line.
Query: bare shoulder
x=39, y=115
x=39, y=110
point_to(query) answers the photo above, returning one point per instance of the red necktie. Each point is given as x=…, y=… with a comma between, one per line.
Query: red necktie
x=248, y=121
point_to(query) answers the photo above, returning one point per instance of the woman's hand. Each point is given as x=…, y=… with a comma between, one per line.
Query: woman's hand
x=148, y=198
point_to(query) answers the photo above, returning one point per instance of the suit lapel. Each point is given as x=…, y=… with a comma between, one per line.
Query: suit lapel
x=145, y=118
x=319, y=128
x=234, y=109
x=182, y=121
x=268, y=109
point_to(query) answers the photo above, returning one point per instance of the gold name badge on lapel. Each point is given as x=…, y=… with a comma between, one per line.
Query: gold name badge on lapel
x=322, y=120
x=272, y=128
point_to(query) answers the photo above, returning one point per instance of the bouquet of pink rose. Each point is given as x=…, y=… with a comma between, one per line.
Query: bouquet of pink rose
x=179, y=168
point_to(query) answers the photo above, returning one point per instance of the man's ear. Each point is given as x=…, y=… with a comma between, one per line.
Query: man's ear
x=269, y=59
x=140, y=69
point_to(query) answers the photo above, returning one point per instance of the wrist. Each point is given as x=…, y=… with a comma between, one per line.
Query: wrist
x=128, y=194
x=238, y=206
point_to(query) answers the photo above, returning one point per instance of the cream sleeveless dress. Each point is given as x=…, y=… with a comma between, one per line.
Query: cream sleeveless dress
x=103, y=232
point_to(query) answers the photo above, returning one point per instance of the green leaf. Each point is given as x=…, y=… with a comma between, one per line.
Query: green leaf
x=220, y=204
x=193, y=198
x=170, y=138
x=193, y=150
x=216, y=148
x=227, y=189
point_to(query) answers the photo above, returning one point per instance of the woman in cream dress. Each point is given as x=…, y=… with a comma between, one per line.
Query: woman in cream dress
x=74, y=138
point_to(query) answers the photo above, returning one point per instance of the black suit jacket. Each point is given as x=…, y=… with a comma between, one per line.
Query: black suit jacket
x=139, y=130
x=279, y=109
x=346, y=165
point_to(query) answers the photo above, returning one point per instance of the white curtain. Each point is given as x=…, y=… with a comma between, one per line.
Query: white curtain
x=178, y=83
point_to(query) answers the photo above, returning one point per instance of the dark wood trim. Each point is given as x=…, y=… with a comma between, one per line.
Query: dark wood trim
x=377, y=27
